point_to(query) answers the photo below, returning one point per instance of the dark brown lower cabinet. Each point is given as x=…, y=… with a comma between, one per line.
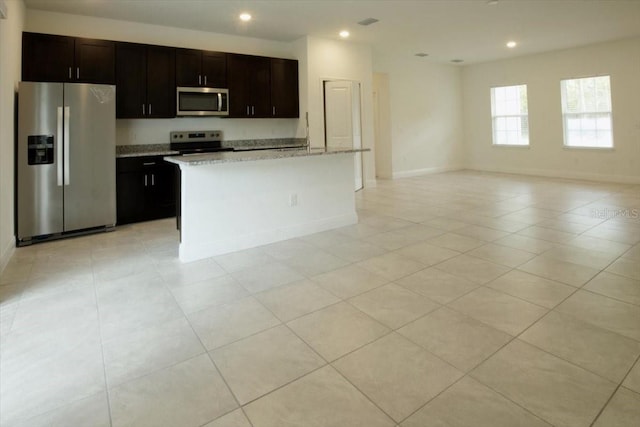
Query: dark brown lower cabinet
x=145, y=189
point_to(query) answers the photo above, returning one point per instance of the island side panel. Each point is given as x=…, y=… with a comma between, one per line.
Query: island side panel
x=228, y=207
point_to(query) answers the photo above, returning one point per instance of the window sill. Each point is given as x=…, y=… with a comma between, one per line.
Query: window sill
x=569, y=147
x=511, y=146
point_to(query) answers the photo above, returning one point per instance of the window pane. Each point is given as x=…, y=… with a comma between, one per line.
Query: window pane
x=509, y=111
x=586, y=107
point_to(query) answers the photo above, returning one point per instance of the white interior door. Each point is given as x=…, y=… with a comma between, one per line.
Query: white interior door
x=338, y=114
x=342, y=120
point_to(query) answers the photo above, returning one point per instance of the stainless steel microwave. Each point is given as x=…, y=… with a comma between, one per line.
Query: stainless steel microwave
x=202, y=101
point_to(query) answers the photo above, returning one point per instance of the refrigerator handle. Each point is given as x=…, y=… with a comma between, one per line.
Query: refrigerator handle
x=58, y=142
x=67, y=114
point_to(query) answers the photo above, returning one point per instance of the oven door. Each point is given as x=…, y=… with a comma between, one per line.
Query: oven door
x=196, y=101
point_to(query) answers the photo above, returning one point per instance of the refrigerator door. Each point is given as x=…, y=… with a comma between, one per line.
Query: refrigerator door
x=90, y=153
x=39, y=159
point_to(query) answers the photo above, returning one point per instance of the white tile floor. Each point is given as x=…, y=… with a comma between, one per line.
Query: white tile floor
x=460, y=299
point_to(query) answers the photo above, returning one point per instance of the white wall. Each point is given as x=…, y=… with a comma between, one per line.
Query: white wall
x=339, y=60
x=382, y=124
x=425, y=114
x=156, y=131
x=10, y=60
x=542, y=74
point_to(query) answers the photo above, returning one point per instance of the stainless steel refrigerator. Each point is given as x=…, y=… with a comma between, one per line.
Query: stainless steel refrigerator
x=65, y=160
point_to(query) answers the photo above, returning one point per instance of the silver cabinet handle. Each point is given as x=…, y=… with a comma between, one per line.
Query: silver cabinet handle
x=143, y=113
x=149, y=109
x=274, y=110
x=78, y=73
x=59, y=143
x=149, y=163
x=153, y=179
x=67, y=117
x=253, y=110
x=69, y=73
x=145, y=179
x=247, y=110
x=199, y=79
x=205, y=80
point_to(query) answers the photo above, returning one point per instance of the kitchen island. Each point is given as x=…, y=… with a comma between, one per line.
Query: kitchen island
x=231, y=201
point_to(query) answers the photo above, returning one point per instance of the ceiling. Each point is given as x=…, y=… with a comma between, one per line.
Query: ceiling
x=471, y=30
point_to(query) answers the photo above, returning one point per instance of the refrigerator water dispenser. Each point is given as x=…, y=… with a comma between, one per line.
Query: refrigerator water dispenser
x=40, y=149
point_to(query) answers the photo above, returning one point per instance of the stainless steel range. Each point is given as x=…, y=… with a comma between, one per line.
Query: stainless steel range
x=198, y=141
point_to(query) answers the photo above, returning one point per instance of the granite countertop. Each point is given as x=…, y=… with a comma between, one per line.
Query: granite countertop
x=255, y=155
x=144, y=150
x=237, y=145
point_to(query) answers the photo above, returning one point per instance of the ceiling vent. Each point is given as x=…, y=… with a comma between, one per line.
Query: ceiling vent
x=422, y=54
x=368, y=21
x=457, y=61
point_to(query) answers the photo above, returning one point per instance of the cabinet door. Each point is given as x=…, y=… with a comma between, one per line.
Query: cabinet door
x=130, y=194
x=214, y=69
x=47, y=58
x=131, y=80
x=161, y=82
x=161, y=195
x=95, y=61
x=238, y=67
x=260, y=89
x=188, y=67
x=284, y=88
x=249, y=86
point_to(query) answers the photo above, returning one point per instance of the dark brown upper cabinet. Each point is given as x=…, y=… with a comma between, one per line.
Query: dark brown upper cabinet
x=51, y=58
x=145, y=80
x=284, y=88
x=249, y=86
x=201, y=68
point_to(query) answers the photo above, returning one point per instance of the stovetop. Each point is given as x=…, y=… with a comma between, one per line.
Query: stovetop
x=200, y=141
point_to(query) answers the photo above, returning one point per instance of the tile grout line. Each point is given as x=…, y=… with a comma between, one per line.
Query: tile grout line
x=614, y=392
x=104, y=364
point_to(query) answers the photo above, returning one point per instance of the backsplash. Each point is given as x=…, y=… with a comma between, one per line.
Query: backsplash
x=156, y=131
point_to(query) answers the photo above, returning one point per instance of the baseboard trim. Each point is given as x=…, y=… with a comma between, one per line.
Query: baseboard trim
x=582, y=176
x=6, y=254
x=424, y=171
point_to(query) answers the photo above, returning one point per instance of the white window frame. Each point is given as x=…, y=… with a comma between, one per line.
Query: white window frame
x=495, y=117
x=591, y=114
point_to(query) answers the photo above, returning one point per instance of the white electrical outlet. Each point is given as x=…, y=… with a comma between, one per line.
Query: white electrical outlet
x=293, y=199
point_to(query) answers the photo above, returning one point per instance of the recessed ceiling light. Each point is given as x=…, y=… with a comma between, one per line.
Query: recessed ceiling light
x=511, y=44
x=422, y=54
x=457, y=61
x=245, y=17
x=368, y=21
x=492, y=2
x=344, y=34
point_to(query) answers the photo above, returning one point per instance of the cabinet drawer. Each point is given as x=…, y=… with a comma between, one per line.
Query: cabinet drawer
x=135, y=164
